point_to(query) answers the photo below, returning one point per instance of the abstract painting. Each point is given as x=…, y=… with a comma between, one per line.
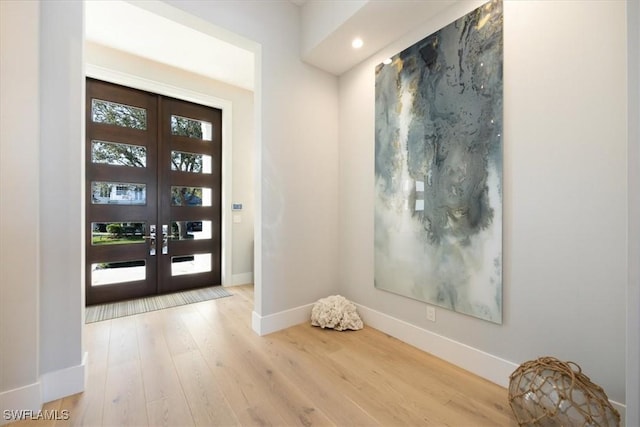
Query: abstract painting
x=438, y=167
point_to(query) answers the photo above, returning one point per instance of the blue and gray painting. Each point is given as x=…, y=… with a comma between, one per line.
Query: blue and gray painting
x=438, y=167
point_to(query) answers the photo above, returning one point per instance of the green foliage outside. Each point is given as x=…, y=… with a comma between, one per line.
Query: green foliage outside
x=118, y=233
x=116, y=230
x=186, y=127
x=119, y=114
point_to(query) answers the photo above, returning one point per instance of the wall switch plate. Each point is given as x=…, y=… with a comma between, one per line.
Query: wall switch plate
x=431, y=313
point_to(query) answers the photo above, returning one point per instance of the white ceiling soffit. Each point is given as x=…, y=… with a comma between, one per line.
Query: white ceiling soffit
x=377, y=23
x=126, y=27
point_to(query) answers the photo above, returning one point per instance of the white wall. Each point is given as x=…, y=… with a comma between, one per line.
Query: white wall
x=42, y=260
x=565, y=189
x=565, y=208
x=633, y=292
x=296, y=122
x=19, y=212
x=297, y=106
x=242, y=146
x=61, y=190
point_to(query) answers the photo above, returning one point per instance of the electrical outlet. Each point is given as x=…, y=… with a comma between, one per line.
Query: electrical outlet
x=431, y=313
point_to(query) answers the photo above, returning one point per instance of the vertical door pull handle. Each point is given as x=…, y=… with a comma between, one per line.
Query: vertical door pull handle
x=165, y=239
x=152, y=239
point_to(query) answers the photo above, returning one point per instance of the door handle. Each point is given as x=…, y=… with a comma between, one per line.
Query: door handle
x=152, y=239
x=165, y=239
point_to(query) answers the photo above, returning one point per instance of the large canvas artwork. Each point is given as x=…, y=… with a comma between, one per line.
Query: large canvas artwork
x=438, y=167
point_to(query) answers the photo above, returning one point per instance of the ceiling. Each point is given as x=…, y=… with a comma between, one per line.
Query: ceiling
x=129, y=28
x=133, y=29
x=377, y=23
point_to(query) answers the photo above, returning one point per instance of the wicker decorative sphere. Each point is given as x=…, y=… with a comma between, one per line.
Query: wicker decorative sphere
x=548, y=392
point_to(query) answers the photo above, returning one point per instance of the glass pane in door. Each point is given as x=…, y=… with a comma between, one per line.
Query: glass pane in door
x=191, y=128
x=113, y=113
x=190, y=196
x=108, y=273
x=190, y=264
x=190, y=230
x=116, y=154
x=117, y=233
x=118, y=193
x=190, y=162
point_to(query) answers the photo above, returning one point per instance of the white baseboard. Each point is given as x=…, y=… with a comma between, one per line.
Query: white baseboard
x=483, y=364
x=241, y=279
x=27, y=398
x=51, y=386
x=478, y=362
x=622, y=409
x=263, y=325
x=64, y=382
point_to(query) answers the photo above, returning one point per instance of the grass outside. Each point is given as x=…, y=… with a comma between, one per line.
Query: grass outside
x=108, y=239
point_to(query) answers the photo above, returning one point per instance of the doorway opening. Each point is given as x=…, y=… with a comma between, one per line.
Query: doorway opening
x=207, y=51
x=154, y=192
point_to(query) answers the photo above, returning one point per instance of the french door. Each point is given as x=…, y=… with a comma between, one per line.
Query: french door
x=153, y=194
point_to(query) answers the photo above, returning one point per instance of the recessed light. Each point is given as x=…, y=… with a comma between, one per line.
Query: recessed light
x=357, y=43
x=387, y=61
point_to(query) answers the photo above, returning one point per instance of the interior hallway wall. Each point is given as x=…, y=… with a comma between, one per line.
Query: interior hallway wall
x=633, y=290
x=19, y=203
x=61, y=174
x=565, y=190
x=42, y=267
x=297, y=160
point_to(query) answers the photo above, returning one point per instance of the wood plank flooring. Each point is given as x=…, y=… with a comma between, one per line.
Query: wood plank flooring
x=202, y=365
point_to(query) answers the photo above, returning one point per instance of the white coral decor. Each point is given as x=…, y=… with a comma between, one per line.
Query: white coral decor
x=335, y=312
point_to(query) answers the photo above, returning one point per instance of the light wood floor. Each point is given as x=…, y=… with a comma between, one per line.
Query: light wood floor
x=202, y=365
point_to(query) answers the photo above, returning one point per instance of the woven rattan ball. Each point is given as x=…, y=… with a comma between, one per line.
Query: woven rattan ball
x=548, y=392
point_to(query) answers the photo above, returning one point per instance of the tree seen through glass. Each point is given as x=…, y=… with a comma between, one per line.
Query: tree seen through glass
x=186, y=162
x=191, y=128
x=115, y=154
x=118, y=114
